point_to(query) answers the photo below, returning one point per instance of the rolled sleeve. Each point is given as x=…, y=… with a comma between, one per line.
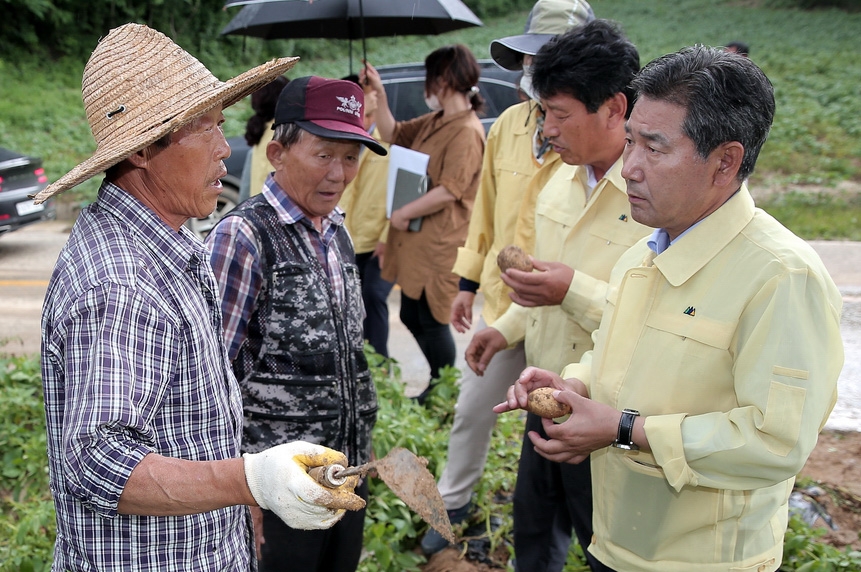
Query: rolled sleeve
x=461, y=163
x=469, y=263
x=667, y=430
x=512, y=324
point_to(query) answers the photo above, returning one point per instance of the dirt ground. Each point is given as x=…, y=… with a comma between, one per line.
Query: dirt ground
x=834, y=466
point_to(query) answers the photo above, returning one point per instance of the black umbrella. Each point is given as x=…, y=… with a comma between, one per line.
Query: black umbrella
x=348, y=19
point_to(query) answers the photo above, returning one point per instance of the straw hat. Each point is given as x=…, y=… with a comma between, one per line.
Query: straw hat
x=138, y=86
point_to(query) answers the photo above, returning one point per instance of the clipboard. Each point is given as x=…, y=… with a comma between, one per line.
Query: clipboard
x=407, y=180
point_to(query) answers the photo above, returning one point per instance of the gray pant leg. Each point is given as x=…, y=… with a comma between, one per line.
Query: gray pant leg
x=474, y=421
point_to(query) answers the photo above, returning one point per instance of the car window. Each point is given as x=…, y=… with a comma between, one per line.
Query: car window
x=407, y=100
x=498, y=96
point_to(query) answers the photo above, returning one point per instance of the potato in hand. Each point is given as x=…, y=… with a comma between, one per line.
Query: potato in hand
x=542, y=403
x=513, y=257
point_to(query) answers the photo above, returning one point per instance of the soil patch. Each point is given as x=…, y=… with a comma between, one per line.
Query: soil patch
x=835, y=465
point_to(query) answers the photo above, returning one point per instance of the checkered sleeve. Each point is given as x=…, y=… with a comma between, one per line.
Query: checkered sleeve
x=121, y=353
x=234, y=257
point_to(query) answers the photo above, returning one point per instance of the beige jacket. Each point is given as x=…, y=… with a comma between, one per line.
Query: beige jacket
x=729, y=343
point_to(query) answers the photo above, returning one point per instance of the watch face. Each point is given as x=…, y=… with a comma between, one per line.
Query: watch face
x=626, y=446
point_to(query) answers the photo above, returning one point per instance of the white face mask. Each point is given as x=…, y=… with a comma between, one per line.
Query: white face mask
x=432, y=102
x=526, y=82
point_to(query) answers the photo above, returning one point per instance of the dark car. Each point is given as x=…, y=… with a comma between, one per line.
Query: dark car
x=405, y=90
x=405, y=86
x=21, y=175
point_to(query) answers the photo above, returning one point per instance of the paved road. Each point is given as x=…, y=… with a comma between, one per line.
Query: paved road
x=27, y=257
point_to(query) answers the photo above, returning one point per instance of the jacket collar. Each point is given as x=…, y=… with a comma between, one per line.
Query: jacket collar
x=690, y=254
x=613, y=178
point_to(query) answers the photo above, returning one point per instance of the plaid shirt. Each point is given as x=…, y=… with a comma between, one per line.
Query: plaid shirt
x=235, y=259
x=133, y=363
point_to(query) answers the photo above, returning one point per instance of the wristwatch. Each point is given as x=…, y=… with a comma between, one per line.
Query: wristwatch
x=625, y=435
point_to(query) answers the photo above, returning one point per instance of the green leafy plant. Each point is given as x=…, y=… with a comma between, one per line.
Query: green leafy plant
x=28, y=523
x=802, y=552
x=392, y=530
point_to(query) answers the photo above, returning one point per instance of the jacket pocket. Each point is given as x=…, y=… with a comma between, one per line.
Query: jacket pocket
x=617, y=231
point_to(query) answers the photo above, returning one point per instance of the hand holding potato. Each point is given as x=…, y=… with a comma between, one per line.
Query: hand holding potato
x=591, y=426
x=531, y=378
x=546, y=284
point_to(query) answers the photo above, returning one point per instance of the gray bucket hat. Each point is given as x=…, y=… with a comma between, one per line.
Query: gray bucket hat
x=547, y=19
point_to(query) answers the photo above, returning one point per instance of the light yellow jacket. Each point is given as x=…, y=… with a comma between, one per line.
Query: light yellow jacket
x=260, y=165
x=364, y=200
x=507, y=169
x=589, y=236
x=729, y=343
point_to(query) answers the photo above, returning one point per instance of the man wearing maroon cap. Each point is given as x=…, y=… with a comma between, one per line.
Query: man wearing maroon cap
x=292, y=308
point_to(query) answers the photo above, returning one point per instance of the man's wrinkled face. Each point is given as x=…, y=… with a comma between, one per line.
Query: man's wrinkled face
x=669, y=183
x=314, y=171
x=571, y=128
x=186, y=174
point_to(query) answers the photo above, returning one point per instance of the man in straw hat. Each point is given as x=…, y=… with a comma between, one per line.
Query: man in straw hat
x=293, y=311
x=517, y=162
x=143, y=412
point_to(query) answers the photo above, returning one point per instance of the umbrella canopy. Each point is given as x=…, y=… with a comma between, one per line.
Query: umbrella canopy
x=348, y=19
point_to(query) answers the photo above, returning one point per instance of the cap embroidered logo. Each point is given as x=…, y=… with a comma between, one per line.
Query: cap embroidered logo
x=350, y=105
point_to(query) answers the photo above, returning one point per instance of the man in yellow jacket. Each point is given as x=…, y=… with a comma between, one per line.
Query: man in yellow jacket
x=716, y=362
x=583, y=224
x=516, y=158
x=364, y=204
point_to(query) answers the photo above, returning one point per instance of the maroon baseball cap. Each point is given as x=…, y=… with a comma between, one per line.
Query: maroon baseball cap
x=330, y=108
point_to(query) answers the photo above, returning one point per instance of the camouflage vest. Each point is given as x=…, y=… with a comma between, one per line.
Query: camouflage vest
x=302, y=367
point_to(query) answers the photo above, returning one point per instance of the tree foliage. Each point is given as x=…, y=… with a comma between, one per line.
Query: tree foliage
x=57, y=28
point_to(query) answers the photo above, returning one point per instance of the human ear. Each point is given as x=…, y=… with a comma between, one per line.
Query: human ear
x=274, y=150
x=140, y=158
x=730, y=156
x=617, y=107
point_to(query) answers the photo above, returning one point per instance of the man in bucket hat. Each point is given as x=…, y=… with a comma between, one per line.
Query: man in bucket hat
x=581, y=224
x=293, y=311
x=517, y=163
x=143, y=411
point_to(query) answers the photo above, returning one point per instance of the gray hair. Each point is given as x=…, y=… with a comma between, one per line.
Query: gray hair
x=288, y=134
x=726, y=97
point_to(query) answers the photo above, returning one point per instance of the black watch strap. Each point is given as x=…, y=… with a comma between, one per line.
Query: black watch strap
x=625, y=435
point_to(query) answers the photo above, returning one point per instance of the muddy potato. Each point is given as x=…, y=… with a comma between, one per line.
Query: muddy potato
x=513, y=257
x=542, y=403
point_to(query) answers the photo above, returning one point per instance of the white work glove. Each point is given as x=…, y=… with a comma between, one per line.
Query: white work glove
x=279, y=481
